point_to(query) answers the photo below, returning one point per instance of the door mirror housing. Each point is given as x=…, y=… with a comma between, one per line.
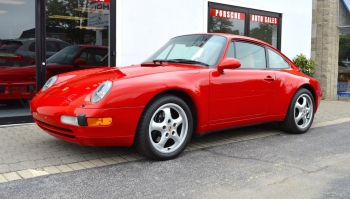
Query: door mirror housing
x=79, y=61
x=228, y=63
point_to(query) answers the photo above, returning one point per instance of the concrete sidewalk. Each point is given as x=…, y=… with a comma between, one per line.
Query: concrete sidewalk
x=26, y=151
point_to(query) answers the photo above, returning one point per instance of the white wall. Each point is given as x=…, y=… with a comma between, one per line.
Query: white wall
x=145, y=25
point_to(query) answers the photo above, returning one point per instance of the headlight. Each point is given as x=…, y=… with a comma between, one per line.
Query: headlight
x=101, y=91
x=50, y=82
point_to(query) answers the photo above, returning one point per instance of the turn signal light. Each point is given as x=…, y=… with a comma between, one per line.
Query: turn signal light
x=105, y=121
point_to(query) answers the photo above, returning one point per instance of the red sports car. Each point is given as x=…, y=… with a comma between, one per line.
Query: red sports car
x=192, y=85
x=18, y=82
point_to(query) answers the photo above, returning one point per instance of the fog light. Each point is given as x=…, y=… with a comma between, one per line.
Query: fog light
x=69, y=120
x=105, y=121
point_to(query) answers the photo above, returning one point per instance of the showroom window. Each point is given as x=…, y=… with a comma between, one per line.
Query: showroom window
x=262, y=25
x=60, y=24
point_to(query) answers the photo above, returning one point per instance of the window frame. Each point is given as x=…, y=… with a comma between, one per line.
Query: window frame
x=248, y=12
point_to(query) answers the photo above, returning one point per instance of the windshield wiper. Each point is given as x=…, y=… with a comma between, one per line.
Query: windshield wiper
x=185, y=61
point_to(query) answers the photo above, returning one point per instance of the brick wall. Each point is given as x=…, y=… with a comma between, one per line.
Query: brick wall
x=325, y=45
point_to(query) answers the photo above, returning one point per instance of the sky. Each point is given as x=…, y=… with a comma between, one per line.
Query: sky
x=347, y=3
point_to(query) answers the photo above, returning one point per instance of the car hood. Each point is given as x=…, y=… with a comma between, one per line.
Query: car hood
x=74, y=84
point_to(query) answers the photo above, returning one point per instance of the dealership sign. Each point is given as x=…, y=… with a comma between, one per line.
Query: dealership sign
x=227, y=14
x=98, y=14
x=264, y=19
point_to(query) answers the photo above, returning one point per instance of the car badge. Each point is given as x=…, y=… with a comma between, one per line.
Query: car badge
x=65, y=89
x=169, y=128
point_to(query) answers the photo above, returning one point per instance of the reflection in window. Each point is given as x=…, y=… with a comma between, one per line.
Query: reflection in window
x=264, y=28
x=276, y=60
x=250, y=55
x=223, y=21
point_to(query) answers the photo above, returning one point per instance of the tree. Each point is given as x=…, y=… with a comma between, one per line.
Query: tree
x=344, y=47
x=221, y=25
x=264, y=32
x=71, y=9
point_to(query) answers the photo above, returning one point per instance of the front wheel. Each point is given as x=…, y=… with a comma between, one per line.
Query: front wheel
x=300, y=113
x=165, y=128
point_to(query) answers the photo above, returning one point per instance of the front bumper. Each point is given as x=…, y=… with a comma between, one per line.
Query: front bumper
x=47, y=111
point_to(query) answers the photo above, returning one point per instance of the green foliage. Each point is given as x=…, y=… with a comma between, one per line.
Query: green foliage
x=263, y=32
x=344, y=46
x=307, y=66
x=222, y=25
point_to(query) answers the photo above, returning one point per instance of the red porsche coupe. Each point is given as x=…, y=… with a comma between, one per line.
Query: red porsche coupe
x=192, y=85
x=18, y=82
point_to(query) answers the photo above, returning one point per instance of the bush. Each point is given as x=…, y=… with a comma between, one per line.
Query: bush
x=307, y=66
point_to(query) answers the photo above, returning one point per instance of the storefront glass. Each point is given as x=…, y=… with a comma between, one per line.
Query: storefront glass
x=344, y=66
x=16, y=18
x=77, y=37
x=225, y=21
x=259, y=24
x=264, y=28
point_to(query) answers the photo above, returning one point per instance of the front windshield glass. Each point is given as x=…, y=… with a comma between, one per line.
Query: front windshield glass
x=204, y=49
x=65, y=56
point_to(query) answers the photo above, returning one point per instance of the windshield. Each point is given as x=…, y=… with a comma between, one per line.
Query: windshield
x=200, y=49
x=65, y=56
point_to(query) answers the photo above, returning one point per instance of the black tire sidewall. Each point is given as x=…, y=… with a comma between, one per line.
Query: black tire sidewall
x=142, y=137
x=289, y=123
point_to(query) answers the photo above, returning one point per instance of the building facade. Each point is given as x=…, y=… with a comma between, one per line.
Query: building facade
x=133, y=29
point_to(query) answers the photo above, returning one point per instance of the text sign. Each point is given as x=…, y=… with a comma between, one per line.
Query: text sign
x=264, y=19
x=227, y=14
x=98, y=15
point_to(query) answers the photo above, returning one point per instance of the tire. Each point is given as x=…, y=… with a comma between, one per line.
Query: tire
x=164, y=129
x=25, y=102
x=300, y=113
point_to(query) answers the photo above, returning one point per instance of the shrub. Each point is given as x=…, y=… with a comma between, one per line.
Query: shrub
x=307, y=66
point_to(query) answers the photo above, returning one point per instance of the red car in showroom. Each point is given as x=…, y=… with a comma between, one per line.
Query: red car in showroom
x=18, y=82
x=192, y=85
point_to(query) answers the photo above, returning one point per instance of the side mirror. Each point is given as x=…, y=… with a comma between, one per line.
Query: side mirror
x=228, y=63
x=79, y=61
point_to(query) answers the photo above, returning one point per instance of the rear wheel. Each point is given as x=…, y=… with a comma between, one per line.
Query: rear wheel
x=164, y=129
x=300, y=113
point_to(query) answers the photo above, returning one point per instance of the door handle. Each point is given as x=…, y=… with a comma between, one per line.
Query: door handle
x=269, y=79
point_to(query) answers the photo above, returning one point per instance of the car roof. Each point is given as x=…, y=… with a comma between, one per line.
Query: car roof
x=235, y=37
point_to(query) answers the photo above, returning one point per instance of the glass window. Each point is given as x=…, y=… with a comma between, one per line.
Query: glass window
x=231, y=50
x=250, y=55
x=98, y=56
x=51, y=46
x=276, y=60
x=65, y=56
x=197, y=48
x=224, y=21
x=17, y=26
x=264, y=28
x=258, y=24
x=62, y=45
x=32, y=47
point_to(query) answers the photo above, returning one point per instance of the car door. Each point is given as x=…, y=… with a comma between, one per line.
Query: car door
x=241, y=93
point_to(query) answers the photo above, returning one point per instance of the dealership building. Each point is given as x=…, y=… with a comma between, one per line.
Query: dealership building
x=133, y=29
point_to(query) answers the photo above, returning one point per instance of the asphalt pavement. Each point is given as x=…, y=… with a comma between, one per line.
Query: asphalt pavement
x=27, y=152
x=315, y=165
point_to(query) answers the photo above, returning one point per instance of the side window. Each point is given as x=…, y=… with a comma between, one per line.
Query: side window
x=276, y=60
x=250, y=55
x=97, y=56
x=51, y=46
x=231, y=50
x=32, y=47
x=62, y=45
